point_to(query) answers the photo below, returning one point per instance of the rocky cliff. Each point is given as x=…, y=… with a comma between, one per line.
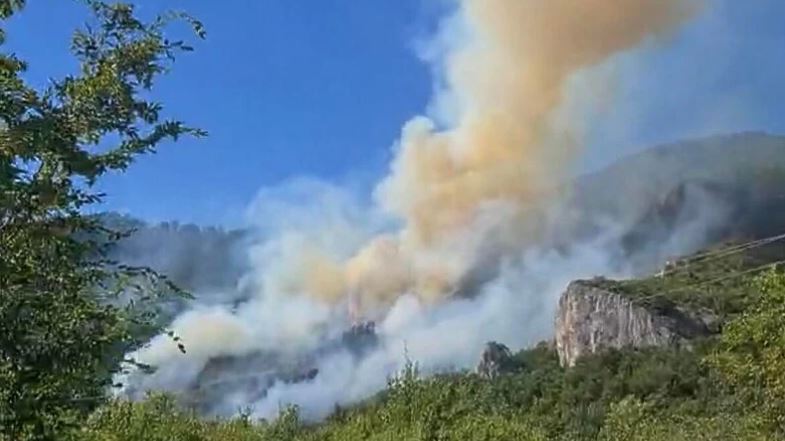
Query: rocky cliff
x=590, y=318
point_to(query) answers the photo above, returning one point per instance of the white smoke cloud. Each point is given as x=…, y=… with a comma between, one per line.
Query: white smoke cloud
x=467, y=206
x=516, y=308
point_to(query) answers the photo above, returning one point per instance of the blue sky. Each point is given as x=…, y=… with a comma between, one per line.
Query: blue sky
x=320, y=88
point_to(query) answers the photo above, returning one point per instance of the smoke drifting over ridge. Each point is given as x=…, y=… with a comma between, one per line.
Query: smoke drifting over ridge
x=475, y=182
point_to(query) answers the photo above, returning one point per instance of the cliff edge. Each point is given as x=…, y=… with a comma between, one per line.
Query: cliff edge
x=591, y=317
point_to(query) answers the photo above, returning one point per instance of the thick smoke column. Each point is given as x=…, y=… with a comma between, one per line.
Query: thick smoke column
x=505, y=82
x=467, y=184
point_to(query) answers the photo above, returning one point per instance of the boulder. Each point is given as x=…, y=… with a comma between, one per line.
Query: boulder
x=496, y=359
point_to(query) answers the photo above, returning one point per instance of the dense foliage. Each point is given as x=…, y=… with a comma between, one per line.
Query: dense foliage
x=708, y=280
x=60, y=337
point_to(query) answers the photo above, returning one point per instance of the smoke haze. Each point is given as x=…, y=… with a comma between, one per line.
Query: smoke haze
x=470, y=237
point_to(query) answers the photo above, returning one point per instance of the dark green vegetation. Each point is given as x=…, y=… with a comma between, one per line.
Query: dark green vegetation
x=63, y=331
x=60, y=338
x=727, y=388
x=711, y=280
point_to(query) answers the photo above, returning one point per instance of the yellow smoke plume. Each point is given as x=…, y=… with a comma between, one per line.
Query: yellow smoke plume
x=507, y=80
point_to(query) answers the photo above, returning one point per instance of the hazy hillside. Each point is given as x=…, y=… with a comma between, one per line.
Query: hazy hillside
x=207, y=261
x=729, y=186
x=630, y=186
x=725, y=178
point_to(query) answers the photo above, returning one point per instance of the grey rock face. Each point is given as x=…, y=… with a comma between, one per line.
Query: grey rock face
x=496, y=359
x=591, y=318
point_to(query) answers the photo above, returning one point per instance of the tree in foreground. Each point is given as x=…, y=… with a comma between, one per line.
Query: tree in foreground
x=751, y=354
x=63, y=331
